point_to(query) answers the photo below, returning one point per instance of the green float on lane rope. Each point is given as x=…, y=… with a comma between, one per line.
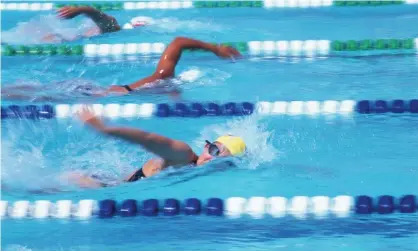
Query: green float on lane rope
x=369, y=44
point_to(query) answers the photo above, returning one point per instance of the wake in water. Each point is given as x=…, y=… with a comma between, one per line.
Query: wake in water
x=55, y=91
x=47, y=29
x=39, y=161
x=171, y=25
x=83, y=89
x=38, y=30
x=36, y=157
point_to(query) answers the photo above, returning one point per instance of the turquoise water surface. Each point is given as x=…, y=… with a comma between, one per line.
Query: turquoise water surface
x=288, y=155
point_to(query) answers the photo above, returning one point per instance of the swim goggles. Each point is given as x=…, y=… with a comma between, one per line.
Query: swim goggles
x=213, y=149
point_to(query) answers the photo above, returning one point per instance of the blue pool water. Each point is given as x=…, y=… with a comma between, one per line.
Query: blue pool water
x=289, y=155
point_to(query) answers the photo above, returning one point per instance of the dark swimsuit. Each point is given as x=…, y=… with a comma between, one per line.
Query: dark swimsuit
x=90, y=90
x=129, y=89
x=139, y=174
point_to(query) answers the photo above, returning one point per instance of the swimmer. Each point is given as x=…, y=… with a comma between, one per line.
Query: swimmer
x=44, y=31
x=165, y=70
x=170, y=152
x=105, y=23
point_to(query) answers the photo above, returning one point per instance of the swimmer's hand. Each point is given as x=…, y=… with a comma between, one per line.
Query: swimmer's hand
x=89, y=118
x=227, y=52
x=68, y=12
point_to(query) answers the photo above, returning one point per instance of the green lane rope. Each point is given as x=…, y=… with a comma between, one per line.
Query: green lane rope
x=48, y=50
x=367, y=3
x=369, y=44
x=243, y=47
x=135, y=5
x=227, y=4
x=99, y=6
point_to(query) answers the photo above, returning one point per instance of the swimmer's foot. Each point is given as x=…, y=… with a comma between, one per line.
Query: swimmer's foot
x=176, y=94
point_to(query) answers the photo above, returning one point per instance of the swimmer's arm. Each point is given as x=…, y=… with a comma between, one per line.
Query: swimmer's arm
x=172, y=151
x=106, y=23
x=170, y=57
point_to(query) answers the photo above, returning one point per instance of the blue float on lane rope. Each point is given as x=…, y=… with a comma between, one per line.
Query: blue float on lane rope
x=128, y=208
x=107, y=208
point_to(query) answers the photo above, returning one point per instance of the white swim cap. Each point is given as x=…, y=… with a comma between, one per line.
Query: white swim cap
x=138, y=22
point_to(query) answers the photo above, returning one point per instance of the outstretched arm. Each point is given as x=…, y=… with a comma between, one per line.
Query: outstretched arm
x=105, y=22
x=173, y=151
x=171, y=55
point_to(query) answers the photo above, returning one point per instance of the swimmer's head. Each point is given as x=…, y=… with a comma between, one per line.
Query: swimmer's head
x=137, y=22
x=224, y=146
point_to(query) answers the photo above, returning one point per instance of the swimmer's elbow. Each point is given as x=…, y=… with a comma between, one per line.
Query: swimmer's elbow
x=180, y=153
x=114, y=24
x=184, y=42
x=179, y=40
x=108, y=131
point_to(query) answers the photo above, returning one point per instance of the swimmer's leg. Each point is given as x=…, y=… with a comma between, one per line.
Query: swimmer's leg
x=15, y=92
x=21, y=88
x=57, y=38
x=173, y=92
x=34, y=93
x=52, y=38
x=82, y=180
x=32, y=98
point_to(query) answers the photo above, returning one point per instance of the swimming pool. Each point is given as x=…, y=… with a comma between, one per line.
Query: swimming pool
x=292, y=153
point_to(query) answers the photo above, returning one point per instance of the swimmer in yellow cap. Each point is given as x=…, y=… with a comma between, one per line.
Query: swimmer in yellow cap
x=170, y=152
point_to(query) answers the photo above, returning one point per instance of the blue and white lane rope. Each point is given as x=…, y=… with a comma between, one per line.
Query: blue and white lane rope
x=148, y=110
x=300, y=207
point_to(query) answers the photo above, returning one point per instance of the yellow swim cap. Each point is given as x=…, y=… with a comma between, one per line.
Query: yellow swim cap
x=234, y=144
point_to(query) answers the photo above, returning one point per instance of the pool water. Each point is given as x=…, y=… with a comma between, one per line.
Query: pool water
x=288, y=155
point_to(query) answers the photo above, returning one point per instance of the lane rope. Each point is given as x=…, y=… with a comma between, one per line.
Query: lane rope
x=252, y=48
x=165, y=5
x=299, y=207
x=198, y=109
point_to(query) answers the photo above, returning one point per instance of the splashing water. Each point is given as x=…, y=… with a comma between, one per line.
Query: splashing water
x=16, y=247
x=37, y=29
x=258, y=139
x=170, y=24
x=41, y=159
x=22, y=159
x=198, y=76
